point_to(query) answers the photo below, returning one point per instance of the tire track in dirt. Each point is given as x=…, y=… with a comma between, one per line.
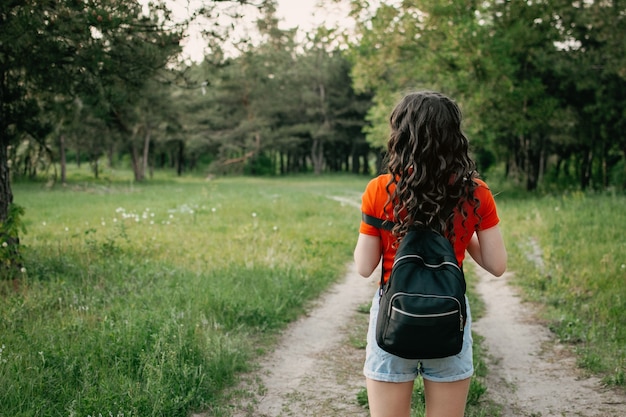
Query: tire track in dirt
x=529, y=372
x=314, y=370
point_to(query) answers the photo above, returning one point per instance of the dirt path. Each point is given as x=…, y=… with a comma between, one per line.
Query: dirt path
x=315, y=371
x=529, y=373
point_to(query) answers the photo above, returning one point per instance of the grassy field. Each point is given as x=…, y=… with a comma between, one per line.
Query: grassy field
x=145, y=300
x=148, y=299
x=569, y=255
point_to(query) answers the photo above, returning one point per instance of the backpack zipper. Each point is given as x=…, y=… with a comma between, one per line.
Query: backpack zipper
x=424, y=315
x=434, y=266
x=392, y=308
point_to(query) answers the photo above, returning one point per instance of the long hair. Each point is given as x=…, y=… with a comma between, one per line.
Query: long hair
x=428, y=159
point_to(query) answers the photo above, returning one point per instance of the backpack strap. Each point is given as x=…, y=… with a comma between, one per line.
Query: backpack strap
x=378, y=223
x=386, y=225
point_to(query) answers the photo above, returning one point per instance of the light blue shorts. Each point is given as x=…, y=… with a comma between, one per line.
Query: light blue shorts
x=383, y=366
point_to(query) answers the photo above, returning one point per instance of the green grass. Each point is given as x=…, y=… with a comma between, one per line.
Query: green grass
x=148, y=299
x=569, y=254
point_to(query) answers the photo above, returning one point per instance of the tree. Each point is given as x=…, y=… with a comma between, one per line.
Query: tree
x=70, y=48
x=335, y=111
x=592, y=85
x=541, y=83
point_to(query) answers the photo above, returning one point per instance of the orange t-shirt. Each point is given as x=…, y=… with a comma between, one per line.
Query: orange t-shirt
x=375, y=197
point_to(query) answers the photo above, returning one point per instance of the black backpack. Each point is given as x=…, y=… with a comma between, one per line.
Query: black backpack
x=422, y=306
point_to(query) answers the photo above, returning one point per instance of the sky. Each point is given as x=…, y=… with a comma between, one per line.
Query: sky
x=291, y=13
x=305, y=14
x=296, y=12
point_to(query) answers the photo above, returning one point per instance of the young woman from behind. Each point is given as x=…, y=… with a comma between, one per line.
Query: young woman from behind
x=429, y=171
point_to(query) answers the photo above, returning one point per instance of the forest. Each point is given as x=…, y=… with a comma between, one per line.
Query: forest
x=542, y=85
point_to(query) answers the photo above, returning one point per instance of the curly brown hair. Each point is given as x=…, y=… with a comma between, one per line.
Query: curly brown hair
x=428, y=159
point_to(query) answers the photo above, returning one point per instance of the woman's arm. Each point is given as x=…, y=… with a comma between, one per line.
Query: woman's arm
x=487, y=248
x=367, y=254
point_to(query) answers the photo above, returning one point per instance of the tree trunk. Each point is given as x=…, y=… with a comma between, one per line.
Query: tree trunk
x=146, y=152
x=366, y=163
x=6, y=194
x=10, y=261
x=534, y=161
x=134, y=155
x=317, y=155
x=624, y=181
x=180, y=158
x=281, y=162
x=95, y=167
x=356, y=160
x=586, y=168
x=62, y=158
x=111, y=155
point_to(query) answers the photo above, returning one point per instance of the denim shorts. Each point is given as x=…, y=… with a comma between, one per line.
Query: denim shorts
x=383, y=366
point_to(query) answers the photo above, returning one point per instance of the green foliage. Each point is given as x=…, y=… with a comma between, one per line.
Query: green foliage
x=260, y=165
x=14, y=223
x=539, y=82
x=10, y=256
x=278, y=107
x=149, y=299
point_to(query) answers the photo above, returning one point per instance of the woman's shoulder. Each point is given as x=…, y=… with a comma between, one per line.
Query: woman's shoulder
x=375, y=195
x=480, y=183
x=482, y=189
x=379, y=182
x=382, y=178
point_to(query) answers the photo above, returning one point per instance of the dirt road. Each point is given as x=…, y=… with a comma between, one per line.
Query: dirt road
x=531, y=374
x=315, y=371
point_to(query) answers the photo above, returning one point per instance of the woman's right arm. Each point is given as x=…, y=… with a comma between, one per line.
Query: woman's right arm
x=487, y=248
x=367, y=254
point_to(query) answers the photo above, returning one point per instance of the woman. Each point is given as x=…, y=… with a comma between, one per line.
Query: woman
x=429, y=172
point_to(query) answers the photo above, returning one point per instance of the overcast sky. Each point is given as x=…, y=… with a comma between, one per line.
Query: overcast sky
x=291, y=13
x=304, y=13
